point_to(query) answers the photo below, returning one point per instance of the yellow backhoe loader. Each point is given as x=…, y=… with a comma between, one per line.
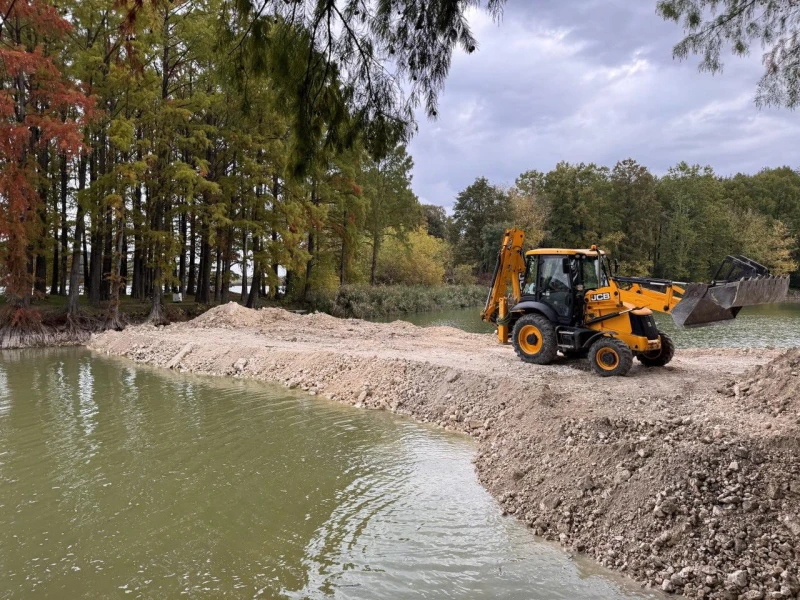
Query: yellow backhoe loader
x=570, y=301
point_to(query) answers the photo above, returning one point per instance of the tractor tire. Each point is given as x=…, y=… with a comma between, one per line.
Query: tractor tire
x=660, y=357
x=609, y=357
x=534, y=339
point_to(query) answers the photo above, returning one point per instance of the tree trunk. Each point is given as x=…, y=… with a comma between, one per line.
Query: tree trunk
x=198, y=294
x=182, y=259
x=157, y=314
x=218, y=274
x=108, y=227
x=244, y=264
x=204, y=276
x=343, y=256
x=62, y=284
x=113, y=321
x=123, y=268
x=273, y=292
x=40, y=271
x=376, y=243
x=85, y=262
x=312, y=248
x=226, y=265
x=73, y=302
x=252, y=298
x=40, y=274
x=108, y=251
x=161, y=193
x=96, y=266
x=191, y=283
x=55, y=278
x=96, y=258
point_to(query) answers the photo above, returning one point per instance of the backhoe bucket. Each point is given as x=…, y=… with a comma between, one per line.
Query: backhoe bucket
x=721, y=300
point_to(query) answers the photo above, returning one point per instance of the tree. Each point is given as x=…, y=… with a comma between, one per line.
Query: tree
x=436, y=220
x=529, y=207
x=420, y=260
x=769, y=243
x=712, y=25
x=581, y=207
x=34, y=99
x=477, y=207
x=633, y=190
x=392, y=206
x=390, y=57
x=696, y=228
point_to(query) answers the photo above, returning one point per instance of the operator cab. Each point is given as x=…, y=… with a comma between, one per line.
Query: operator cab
x=559, y=278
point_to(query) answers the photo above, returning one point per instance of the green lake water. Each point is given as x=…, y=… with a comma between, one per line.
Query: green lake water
x=775, y=325
x=121, y=481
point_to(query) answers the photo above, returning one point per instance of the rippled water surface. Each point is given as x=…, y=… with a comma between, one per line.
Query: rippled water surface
x=123, y=481
x=755, y=327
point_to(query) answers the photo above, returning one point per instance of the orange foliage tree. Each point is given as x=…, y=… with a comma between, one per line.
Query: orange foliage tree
x=41, y=111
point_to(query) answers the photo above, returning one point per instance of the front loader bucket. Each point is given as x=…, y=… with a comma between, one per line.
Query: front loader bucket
x=750, y=292
x=703, y=303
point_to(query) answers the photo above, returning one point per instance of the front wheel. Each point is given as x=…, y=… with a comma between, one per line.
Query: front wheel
x=534, y=339
x=660, y=357
x=610, y=356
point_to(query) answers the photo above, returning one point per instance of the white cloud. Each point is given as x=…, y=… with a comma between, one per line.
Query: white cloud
x=586, y=82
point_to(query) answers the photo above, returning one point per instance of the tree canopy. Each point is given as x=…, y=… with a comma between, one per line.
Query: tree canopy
x=679, y=226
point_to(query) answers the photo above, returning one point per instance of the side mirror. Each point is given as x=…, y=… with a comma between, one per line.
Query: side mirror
x=616, y=267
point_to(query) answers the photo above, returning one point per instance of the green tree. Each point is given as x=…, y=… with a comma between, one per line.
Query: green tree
x=696, y=230
x=436, y=220
x=481, y=207
x=390, y=58
x=392, y=205
x=581, y=206
x=633, y=190
x=420, y=260
x=530, y=207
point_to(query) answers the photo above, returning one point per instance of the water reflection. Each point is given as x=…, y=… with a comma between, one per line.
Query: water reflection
x=118, y=480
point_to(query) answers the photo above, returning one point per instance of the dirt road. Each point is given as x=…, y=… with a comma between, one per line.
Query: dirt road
x=686, y=478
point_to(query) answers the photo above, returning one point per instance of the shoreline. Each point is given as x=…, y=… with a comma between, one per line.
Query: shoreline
x=662, y=475
x=53, y=328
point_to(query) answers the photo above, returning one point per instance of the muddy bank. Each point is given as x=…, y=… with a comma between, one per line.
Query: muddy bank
x=685, y=478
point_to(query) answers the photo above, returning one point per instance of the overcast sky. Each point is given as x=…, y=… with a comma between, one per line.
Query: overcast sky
x=591, y=81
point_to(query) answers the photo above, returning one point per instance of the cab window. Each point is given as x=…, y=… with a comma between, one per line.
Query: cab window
x=593, y=274
x=529, y=282
x=591, y=279
x=555, y=285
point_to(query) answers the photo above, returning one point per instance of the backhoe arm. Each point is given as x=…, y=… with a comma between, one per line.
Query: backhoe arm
x=510, y=265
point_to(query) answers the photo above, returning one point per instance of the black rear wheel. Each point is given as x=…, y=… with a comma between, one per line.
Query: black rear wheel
x=534, y=339
x=610, y=356
x=660, y=357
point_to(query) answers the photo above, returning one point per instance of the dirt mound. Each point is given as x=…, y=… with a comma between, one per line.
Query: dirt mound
x=660, y=474
x=773, y=388
x=236, y=316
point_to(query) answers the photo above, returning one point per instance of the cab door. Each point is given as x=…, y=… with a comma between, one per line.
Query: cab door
x=555, y=285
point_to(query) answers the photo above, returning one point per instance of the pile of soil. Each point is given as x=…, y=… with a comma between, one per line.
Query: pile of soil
x=660, y=475
x=773, y=388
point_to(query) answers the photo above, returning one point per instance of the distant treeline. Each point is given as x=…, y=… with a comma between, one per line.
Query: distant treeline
x=677, y=226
